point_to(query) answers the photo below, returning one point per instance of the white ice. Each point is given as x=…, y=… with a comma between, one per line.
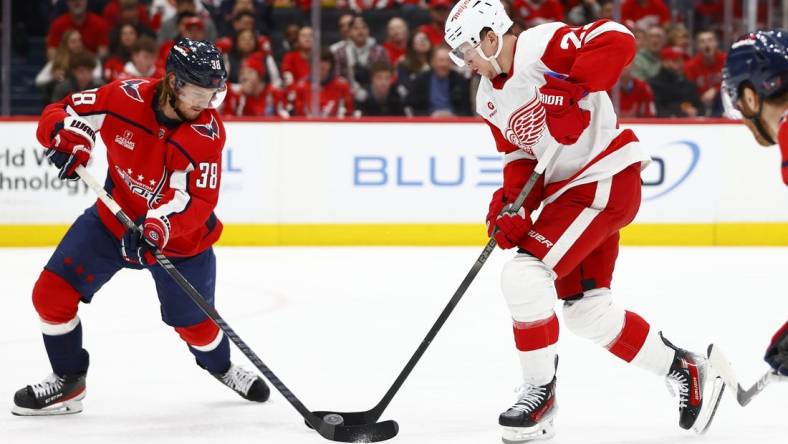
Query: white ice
x=338, y=324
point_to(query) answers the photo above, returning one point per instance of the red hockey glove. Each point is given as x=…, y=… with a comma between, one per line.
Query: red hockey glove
x=137, y=245
x=565, y=119
x=72, y=141
x=496, y=205
x=513, y=228
x=777, y=353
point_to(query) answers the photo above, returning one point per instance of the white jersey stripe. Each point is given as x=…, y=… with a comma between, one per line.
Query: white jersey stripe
x=605, y=27
x=517, y=155
x=580, y=224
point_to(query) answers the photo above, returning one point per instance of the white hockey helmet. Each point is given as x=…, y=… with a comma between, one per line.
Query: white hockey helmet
x=466, y=21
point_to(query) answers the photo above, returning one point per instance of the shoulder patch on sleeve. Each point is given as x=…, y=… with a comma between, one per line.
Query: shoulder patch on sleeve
x=131, y=88
x=209, y=130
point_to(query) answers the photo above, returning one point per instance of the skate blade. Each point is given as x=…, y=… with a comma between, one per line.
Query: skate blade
x=710, y=405
x=69, y=407
x=519, y=435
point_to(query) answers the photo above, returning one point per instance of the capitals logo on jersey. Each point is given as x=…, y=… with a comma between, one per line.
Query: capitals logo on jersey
x=209, y=130
x=526, y=125
x=132, y=88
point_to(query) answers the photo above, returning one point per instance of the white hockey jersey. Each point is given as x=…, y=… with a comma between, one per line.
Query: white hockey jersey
x=592, y=57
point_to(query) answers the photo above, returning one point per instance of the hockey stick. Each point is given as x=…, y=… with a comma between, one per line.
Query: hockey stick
x=372, y=415
x=743, y=397
x=372, y=432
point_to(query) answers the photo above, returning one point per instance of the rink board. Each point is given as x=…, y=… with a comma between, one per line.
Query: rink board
x=416, y=183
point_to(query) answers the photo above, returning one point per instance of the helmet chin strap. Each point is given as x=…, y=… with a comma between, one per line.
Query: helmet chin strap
x=758, y=123
x=494, y=58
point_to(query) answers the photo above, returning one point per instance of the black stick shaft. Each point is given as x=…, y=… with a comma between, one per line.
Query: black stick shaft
x=377, y=411
x=197, y=298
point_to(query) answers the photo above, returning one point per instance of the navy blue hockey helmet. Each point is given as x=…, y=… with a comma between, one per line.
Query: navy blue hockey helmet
x=197, y=62
x=761, y=59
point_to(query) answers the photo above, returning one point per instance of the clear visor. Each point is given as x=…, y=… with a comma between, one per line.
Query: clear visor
x=195, y=96
x=462, y=53
x=729, y=109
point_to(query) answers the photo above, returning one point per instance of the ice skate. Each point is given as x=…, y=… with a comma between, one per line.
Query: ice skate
x=55, y=395
x=246, y=383
x=531, y=417
x=698, y=386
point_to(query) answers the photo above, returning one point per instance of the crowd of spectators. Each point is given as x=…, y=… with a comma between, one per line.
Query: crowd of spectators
x=409, y=73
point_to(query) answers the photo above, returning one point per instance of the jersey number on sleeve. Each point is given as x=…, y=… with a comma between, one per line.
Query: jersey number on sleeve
x=208, y=175
x=86, y=97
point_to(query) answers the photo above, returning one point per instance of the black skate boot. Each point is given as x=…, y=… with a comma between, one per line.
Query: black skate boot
x=55, y=395
x=531, y=417
x=698, y=385
x=245, y=383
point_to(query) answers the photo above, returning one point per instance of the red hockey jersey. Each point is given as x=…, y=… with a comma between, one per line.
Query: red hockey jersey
x=173, y=172
x=782, y=139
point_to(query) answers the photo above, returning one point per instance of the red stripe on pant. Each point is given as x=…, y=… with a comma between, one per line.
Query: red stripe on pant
x=631, y=339
x=530, y=336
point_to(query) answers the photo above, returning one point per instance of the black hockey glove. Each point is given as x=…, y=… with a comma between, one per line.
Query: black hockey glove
x=777, y=353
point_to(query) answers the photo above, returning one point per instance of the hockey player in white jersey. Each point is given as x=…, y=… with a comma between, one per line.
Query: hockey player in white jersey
x=547, y=86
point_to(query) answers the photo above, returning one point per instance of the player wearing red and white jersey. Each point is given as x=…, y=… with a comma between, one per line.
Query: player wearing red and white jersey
x=756, y=91
x=544, y=87
x=164, y=144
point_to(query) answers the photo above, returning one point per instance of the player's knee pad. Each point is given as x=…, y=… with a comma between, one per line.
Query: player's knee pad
x=56, y=302
x=528, y=287
x=594, y=316
x=203, y=337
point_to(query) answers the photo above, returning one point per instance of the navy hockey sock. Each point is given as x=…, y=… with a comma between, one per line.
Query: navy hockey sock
x=66, y=353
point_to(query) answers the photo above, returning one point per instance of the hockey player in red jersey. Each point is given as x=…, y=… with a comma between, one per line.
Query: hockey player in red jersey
x=164, y=144
x=544, y=87
x=756, y=87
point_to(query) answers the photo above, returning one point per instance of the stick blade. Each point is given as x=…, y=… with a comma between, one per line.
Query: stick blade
x=375, y=432
x=345, y=418
x=723, y=366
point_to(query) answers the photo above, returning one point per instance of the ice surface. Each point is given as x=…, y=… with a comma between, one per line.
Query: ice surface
x=338, y=324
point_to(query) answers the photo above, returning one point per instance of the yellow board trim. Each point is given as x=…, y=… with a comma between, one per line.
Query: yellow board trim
x=727, y=234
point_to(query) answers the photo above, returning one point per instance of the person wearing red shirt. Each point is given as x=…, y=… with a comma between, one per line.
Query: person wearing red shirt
x=396, y=39
x=190, y=26
x=439, y=12
x=143, y=61
x=245, y=20
x=635, y=96
x=296, y=64
x=128, y=11
x=92, y=28
x=705, y=70
x=252, y=96
x=536, y=12
x=644, y=13
x=336, y=99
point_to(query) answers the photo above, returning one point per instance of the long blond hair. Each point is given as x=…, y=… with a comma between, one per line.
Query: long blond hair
x=62, y=57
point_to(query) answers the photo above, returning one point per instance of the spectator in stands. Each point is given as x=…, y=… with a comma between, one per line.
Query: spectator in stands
x=439, y=12
x=705, y=71
x=261, y=9
x=586, y=11
x=245, y=20
x=396, y=38
x=120, y=46
x=163, y=10
x=383, y=99
x=143, y=61
x=290, y=42
x=674, y=95
x=644, y=14
x=709, y=14
x=128, y=11
x=56, y=69
x=343, y=25
x=252, y=96
x=679, y=39
x=336, y=99
x=92, y=28
x=536, y=12
x=354, y=58
x=647, y=61
x=79, y=77
x=440, y=92
x=635, y=96
x=363, y=5
x=296, y=64
x=169, y=27
x=190, y=26
x=245, y=46
x=416, y=61
x=607, y=10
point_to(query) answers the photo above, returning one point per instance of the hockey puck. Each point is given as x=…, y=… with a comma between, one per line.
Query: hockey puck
x=333, y=419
